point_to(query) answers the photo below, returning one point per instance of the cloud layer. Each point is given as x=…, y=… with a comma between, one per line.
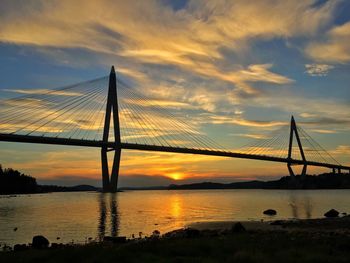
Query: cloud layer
x=228, y=67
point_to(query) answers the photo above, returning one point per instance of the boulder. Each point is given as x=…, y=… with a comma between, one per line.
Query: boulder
x=270, y=212
x=237, y=228
x=156, y=234
x=332, y=213
x=40, y=242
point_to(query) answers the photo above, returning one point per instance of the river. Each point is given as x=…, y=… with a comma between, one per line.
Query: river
x=80, y=216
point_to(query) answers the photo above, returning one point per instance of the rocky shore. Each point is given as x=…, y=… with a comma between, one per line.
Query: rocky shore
x=310, y=240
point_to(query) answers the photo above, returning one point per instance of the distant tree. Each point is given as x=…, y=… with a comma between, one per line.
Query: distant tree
x=14, y=182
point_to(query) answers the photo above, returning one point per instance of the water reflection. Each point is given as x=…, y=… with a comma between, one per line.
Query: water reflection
x=308, y=207
x=112, y=200
x=176, y=206
x=294, y=206
x=300, y=201
x=81, y=215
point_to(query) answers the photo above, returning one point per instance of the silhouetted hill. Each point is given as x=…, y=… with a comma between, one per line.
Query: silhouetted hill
x=77, y=188
x=210, y=185
x=322, y=181
x=128, y=188
x=14, y=182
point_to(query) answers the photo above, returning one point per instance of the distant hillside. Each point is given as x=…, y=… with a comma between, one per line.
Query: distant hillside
x=131, y=188
x=322, y=181
x=77, y=188
x=15, y=182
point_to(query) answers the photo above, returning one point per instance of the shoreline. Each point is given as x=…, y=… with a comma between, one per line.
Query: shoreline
x=313, y=224
x=305, y=240
x=334, y=224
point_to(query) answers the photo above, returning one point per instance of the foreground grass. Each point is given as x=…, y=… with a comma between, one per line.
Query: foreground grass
x=238, y=247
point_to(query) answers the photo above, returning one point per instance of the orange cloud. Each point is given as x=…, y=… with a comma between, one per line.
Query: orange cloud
x=155, y=33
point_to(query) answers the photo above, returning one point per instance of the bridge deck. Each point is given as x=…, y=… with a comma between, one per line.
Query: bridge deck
x=142, y=147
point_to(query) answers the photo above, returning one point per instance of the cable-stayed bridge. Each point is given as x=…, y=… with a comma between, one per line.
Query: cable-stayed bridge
x=109, y=114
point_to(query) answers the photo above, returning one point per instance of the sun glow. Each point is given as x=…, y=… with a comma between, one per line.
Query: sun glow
x=176, y=176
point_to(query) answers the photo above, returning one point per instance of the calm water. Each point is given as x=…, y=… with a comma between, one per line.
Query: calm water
x=78, y=216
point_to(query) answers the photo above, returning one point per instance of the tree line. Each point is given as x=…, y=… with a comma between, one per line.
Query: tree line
x=15, y=182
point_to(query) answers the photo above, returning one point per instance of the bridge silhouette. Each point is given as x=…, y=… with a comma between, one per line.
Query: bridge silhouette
x=86, y=115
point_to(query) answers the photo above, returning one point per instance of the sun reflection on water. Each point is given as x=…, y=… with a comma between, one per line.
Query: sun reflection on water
x=176, y=204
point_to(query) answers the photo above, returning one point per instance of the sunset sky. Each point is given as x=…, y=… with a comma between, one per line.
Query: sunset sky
x=236, y=69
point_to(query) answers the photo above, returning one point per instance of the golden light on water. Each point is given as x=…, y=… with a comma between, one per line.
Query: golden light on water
x=176, y=206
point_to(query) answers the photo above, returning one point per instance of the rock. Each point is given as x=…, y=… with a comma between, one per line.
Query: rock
x=40, y=242
x=156, y=234
x=270, y=212
x=237, y=228
x=332, y=213
x=20, y=247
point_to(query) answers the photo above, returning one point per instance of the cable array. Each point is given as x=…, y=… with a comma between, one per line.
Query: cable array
x=274, y=144
x=313, y=150
x=145, y=121
x=78, y=112
x=69, y=112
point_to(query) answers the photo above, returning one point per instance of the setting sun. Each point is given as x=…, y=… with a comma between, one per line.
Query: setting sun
x=176, y=176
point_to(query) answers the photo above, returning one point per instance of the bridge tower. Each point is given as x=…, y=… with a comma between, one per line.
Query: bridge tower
x=294, y=131
x=110, y=181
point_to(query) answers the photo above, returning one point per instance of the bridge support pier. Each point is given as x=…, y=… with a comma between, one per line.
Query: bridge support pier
x=115, y=171
x=294, y=131
x=303, y=172
x=105, y=172
x=110, y=183
x=290, y=170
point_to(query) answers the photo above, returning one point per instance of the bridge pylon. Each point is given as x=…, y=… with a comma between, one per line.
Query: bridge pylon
x=110, y=182
x=294, y=131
